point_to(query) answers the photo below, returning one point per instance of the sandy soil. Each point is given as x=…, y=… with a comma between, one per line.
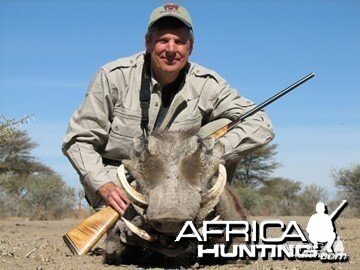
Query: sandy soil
x=38, y=245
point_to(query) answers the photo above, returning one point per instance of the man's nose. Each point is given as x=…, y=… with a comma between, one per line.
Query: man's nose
x=171, y=47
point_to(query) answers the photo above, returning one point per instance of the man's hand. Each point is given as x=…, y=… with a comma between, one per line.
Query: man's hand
x=114, y=197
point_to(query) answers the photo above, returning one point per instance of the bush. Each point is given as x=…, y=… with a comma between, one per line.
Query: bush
x=348, y=181
x=309, y=197
x=280, y=196
x=250, y=198
x=43, y=196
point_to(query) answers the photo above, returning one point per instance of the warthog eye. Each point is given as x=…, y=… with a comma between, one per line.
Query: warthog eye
x=190, y=168
x=152, y=169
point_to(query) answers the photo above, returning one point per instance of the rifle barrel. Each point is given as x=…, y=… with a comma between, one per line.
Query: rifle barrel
x=338, y=209
x=222, y=131
x=272, y=99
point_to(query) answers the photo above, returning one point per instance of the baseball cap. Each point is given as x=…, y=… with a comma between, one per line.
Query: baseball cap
x=171, y=10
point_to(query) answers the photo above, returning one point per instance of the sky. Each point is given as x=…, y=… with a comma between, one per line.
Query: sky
x=49, y=51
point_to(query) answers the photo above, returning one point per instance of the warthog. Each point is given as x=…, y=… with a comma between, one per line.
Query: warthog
x=178, y=177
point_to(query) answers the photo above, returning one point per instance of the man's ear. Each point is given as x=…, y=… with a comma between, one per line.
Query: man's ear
x=191, y=47
x=147, y=46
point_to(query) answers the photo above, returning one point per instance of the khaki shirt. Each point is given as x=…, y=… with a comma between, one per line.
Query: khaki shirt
x=102, y=129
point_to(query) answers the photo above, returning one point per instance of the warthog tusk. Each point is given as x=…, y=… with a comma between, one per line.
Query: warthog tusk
x=139, y=232
x=215, y=192
x=134, y=196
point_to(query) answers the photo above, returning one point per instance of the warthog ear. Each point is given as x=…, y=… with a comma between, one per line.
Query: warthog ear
x=194, y=143
x=139, y=143
x=219, y=149
x=213, y=147
x=152, y=144
x=208, y=144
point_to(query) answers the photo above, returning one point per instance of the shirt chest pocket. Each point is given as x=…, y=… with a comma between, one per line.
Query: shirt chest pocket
x=186, y=121
x=124, y=128
x=126, y=123
x=188, y=118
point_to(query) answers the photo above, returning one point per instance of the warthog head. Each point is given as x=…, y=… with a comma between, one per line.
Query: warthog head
x=178, y=177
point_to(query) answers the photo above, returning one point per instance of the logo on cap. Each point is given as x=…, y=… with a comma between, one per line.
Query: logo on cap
x=171, y=7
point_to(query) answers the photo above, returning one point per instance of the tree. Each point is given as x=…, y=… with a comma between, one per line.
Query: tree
x=250, y=198
x=49, y=197
x=257, y=166
x=348, y=181
x=16, y=164
x=281, y=196
x=28, y=187
x=15, y=150
x=309, y=197
x=8, y=126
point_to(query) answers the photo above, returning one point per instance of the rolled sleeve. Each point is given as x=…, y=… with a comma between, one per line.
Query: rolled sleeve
x=88, y=133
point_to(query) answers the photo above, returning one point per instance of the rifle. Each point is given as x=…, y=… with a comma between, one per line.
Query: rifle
x=336, y=212
x=222, y=131
x=86, y=234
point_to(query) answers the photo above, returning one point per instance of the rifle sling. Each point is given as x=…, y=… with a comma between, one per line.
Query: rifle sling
x=145, y=95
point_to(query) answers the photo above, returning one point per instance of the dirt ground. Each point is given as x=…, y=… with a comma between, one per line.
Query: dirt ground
x=39, y=245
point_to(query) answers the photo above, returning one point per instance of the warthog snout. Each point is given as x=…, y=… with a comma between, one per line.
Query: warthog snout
x=167, y=211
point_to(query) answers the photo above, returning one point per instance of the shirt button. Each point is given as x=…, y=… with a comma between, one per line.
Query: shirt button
x=116, y=128
x=156, y=103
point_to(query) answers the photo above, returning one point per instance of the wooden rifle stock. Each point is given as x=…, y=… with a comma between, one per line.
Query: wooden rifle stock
x=86, y=234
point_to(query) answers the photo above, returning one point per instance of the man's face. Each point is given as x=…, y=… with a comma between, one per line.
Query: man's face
x=170, y=50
